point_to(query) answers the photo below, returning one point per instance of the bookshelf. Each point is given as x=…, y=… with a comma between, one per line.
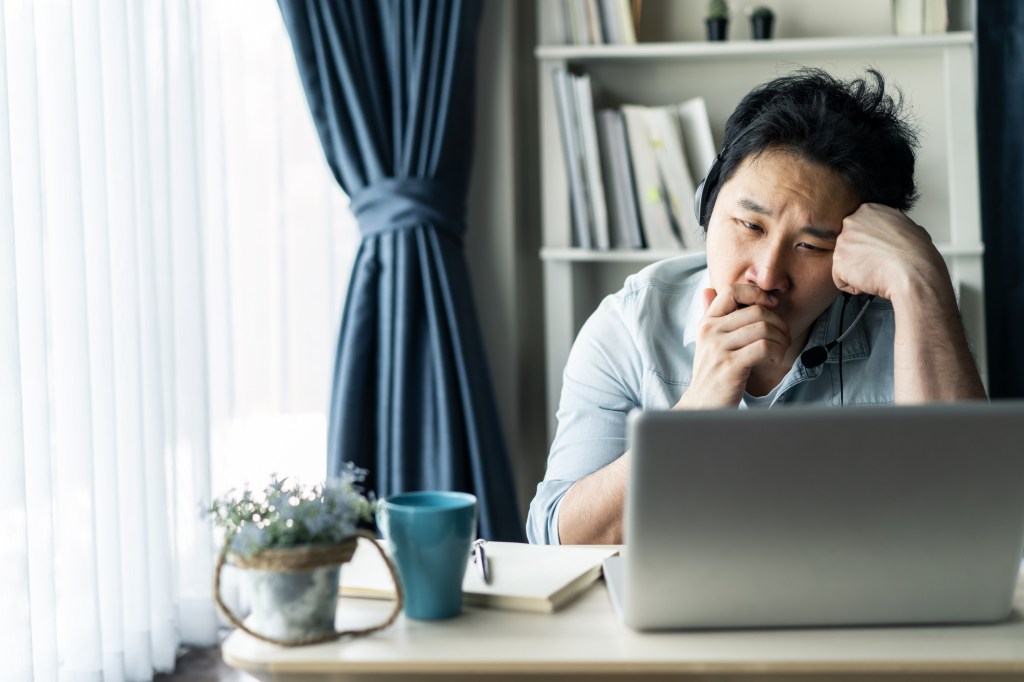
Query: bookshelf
x=935, y=73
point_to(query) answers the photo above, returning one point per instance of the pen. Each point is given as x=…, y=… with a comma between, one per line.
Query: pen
x=480, y=559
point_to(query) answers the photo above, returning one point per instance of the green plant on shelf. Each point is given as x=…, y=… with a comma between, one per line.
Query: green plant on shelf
x=718, y=9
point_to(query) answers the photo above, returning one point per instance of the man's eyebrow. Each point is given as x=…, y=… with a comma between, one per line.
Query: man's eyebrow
x=819, y=232
x=751, y=205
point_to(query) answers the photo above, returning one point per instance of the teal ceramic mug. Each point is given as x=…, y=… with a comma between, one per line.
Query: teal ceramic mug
x=429, y=535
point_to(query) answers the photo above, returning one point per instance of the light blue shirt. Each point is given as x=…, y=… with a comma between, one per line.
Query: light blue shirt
x=636, y=352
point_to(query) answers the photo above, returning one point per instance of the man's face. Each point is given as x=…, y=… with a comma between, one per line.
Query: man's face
x=774, y=226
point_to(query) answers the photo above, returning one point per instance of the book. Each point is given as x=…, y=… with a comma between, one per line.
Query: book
x=916, y=17
x=579, y=28
x=593, y=14
x=908, y=17
x=572, y=152
x=591, y=161
x=561, y=23
x=537, y=578
x=936, y=16
x=627, y=28
x=671, y=149
x=594, y=22
x=610, y=21
x=623, y=221
x=656, y=218
x=617, y=21
x=700, y=144
x=677, y=184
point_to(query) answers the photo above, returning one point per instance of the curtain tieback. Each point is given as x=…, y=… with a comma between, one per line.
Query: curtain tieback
x=394, y=204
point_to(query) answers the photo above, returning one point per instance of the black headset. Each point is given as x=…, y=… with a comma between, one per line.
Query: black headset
x=711, y=180
x=812, y=357
x=700, y=199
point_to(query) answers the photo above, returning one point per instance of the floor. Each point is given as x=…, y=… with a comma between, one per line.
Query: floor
x=203, y=665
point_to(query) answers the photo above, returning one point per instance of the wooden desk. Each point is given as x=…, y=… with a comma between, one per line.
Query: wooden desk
x=587, y=640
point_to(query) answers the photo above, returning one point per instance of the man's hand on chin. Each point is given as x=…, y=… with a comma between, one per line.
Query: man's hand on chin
x=739, y=331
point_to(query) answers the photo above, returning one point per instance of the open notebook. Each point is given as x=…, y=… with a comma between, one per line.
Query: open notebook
x=524, y=577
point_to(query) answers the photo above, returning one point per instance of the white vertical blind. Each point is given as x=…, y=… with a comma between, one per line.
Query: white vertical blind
x=173, y=259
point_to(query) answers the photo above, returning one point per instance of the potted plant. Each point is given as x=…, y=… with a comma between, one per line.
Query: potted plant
x=717, y=20
x=291, y=540
x=761, y=19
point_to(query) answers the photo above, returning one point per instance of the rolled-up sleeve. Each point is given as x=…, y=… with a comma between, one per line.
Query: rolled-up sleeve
x=600, y=386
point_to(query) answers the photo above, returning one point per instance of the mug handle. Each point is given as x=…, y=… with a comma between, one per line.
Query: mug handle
x=316, y=639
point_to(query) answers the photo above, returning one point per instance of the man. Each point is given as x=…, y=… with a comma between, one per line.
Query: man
x=805, y=228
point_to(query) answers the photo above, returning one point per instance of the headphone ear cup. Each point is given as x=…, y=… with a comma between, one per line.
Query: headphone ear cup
x=707, y=185
x=698, y=202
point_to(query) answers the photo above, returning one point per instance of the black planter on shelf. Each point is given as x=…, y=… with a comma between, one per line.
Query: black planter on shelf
x=761, y=27
x=718, y=29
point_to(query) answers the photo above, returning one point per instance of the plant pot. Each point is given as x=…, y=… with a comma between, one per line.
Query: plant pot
x=761, y=27
x=294, y=592
x=718, y=29
x=294, y=604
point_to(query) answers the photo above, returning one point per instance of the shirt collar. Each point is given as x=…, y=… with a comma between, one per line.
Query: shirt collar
x=696, y=311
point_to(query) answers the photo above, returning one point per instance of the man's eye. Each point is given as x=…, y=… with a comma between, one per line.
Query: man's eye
x=809, y=247
x=753, y=227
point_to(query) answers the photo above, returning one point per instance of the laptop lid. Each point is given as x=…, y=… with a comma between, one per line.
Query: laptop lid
x=817, y=516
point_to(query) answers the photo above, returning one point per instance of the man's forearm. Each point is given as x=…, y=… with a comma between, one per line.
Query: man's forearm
x=591, y=511
x=932, y=360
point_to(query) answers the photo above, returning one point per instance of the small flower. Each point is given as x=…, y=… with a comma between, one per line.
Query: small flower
x=286, y=513
x=248, y=540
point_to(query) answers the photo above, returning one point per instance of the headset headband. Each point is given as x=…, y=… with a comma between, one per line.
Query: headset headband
x=710, y=181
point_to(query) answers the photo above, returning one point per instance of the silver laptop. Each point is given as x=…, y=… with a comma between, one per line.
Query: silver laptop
x=810, y=516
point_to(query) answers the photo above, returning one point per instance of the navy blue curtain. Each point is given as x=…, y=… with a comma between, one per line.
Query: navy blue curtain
x=390, y=84
x=1000, y=44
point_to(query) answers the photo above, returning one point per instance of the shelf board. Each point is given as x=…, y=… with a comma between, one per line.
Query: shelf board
x=749, y=48
x=575, y=255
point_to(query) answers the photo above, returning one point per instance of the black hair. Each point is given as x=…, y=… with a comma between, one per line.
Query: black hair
x=853, y=127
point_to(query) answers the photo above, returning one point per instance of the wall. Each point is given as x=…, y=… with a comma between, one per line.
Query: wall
x=501, y=244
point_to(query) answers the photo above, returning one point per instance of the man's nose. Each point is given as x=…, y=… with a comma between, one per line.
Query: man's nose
x=769, y=272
